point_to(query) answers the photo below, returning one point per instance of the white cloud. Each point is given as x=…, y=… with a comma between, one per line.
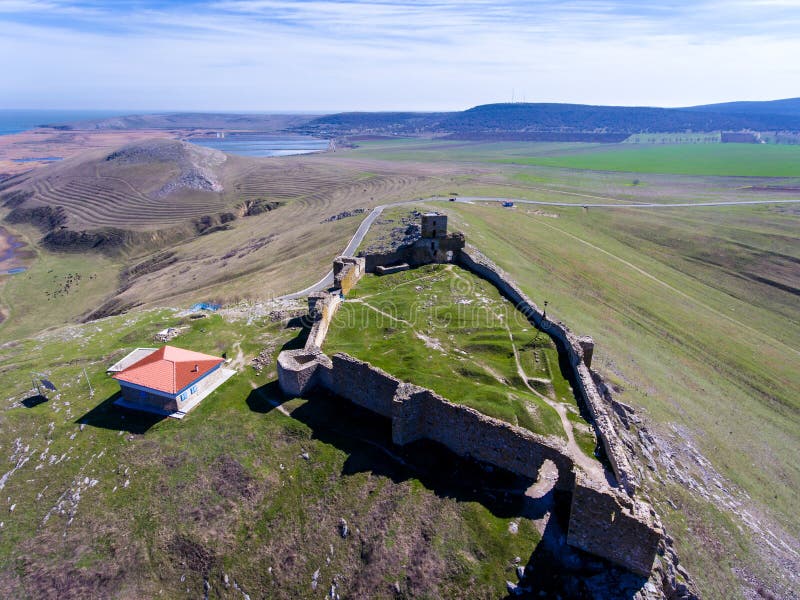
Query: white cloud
x=324, y=55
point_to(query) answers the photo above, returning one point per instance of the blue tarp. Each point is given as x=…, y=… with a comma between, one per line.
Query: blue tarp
x=206, y=306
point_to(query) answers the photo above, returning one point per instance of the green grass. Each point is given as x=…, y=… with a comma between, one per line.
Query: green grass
x=127, y=506
x=467, y=356
x=56, y=289
x=695, y=322
x=751, y=160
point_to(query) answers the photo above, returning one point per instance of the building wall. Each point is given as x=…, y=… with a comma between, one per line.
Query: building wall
x=136, y=396
x=434, y=226
x=201, y=386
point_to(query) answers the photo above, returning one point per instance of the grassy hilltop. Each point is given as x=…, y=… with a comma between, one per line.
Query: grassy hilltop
x=693, y=311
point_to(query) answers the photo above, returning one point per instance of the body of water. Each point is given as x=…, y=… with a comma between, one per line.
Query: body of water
x=253, y=144
x=16, y=120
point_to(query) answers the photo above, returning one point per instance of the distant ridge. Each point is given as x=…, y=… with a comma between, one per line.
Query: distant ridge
x=786, y=107
x=531, y=121
x=566, y=120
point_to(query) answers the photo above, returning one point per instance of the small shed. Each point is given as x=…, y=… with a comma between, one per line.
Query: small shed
x=169, y=381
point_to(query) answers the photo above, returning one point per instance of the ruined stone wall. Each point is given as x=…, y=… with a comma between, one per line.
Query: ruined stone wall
x=324, y=309
x=371, y=261
x=361, y=383
x=612, y=525
x=347, y=271
x=472, y=260
x=603, y=521
x=423, y=251
x=300, y=371
x=420, y=413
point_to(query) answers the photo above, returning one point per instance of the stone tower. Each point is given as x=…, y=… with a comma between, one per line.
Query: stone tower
x=434, y=225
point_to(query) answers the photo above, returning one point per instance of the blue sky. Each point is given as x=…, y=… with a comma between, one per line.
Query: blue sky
x=326, y=55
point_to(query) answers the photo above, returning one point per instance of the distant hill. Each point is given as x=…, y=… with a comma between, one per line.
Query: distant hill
x=373, y=122
x=223, y=121
x=612, y=119
x=564, y=121
x=524, y=121
x=787, y=107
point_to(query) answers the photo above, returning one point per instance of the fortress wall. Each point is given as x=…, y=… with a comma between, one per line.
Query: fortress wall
x=472, y=260
x=418, y=413
x=603, y=521
x=300, y=371
x=361, y=383
x=324, y=309
x=423, y=251
x=421, y=413
x=371, y=261
x=610, y=524
x=347, y=271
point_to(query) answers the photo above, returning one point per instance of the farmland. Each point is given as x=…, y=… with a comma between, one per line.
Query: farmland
x=740, y=160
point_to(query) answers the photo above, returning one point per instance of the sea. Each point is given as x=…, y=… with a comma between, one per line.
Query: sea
x=14, y=120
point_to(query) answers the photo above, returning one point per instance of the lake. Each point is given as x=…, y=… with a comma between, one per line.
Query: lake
x=254, y=144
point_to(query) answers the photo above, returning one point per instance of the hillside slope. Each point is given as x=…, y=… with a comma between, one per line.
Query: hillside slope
x=787, y=106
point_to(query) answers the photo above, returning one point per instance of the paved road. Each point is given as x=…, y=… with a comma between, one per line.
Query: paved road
x=350, y=250
x=361, y=232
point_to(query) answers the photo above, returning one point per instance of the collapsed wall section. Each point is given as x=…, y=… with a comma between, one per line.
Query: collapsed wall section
x=578, y=352
x=440, y=249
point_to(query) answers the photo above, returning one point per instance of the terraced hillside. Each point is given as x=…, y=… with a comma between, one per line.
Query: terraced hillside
x=267, y=215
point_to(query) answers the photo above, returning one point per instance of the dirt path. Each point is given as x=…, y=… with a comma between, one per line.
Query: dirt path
x=238, y=362
x=591, y=466
x=384, y=313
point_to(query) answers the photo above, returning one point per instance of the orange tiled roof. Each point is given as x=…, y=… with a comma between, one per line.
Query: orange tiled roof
x=169, y=369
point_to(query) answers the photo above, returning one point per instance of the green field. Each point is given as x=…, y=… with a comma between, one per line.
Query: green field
x=97, y=502
x=741, y=160
x=696, y=321
x=443, y=328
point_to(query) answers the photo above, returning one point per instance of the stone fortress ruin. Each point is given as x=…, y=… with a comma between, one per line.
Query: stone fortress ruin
x=607, y=518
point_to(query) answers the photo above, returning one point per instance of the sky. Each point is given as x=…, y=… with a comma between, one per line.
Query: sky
x=336, y=55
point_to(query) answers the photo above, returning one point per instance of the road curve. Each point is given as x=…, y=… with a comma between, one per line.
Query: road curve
x=327, y=281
